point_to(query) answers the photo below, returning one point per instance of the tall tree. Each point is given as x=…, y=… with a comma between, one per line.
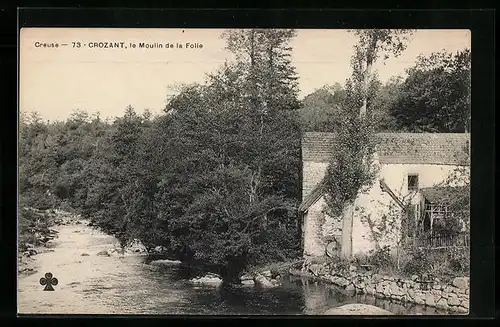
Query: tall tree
x=233, y=179
x=371, y=44
x=384, y=102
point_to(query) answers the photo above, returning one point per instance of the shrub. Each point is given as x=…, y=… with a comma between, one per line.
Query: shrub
x=419, y=262
x=459, y=260
x=381, y=258
x=444, y=263
x=339, y=264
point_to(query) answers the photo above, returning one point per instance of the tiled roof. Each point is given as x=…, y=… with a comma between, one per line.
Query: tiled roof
x=443, y=194
x=423, y=148
x=398, y=148
x=317, y=146
x=317, y=192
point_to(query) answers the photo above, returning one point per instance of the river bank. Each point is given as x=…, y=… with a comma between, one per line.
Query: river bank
x=36, y=229
x=94, y=277
x=449, y=298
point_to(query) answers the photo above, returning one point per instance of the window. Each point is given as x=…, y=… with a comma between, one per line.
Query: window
x=412, y=182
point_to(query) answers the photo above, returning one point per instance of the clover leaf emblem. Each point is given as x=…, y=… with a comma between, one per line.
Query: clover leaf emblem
x=48, y=281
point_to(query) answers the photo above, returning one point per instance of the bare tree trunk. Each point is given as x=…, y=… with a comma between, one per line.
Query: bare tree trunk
x=366, y=82
x=347, y=224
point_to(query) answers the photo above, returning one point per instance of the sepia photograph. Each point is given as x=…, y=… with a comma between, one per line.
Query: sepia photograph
x=244, y=171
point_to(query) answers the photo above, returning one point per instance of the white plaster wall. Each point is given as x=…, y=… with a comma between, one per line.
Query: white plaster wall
x=313, y=240
x=373, y=202
x=376, y=203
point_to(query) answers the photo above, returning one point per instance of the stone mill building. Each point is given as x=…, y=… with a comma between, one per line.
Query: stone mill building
x=410, y=166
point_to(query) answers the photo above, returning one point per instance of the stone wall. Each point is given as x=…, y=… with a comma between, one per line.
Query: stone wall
x=453, y=297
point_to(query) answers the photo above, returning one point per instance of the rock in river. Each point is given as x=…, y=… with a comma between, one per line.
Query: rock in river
x=209, y=279
x=248, y=282
x=135, y=246
x=103, y=253
x=357, y=309
x=265, y=282
x=165, y=262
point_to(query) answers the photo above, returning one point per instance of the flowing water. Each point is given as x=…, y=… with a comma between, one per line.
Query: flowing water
x=92, y=284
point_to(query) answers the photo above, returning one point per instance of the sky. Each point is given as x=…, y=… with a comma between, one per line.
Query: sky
x=54, y=81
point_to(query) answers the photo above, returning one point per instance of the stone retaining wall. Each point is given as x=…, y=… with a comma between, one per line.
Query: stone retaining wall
x=453, y=297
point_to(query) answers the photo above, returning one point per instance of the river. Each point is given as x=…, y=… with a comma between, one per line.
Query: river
x=92, y=284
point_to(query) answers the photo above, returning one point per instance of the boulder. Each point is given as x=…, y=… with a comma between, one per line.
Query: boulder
x=208, y=279
x=246, y=277
x=370, y=290
x=395, y=290
x=453, y=300
x=360, y=286
x=85, y=254
x=461, y=282
x=104, y=253
x=387, y=291
x=135, y=246
x=159, y=250
x=116, y=251
x=248, y=282
x=429, y=300
x=436, y=292
x=411, y=293
x=420, y=299
x=350, y=288
x=266, y=273
x=29, y=252
x=442, y=303
x=264, y=281
x=343, y=282
x=357, y=309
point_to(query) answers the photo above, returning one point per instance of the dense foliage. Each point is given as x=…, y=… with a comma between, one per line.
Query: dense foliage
x=434, y=97
x=215, y=179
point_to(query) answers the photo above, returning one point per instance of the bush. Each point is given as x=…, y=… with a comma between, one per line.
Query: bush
x=339, y=264
x=442, y=263
x=419, y=262
x=381, y=258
